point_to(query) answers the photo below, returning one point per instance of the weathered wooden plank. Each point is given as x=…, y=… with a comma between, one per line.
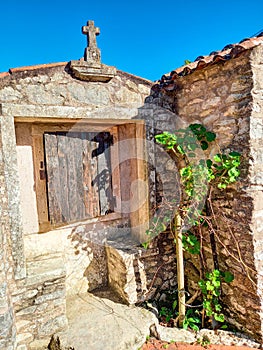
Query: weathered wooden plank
x=109, y=193
x=63, y=173
x=79, y=176
x=143, y=191
x=94, y=186
x=75, y=177
x=115, y=173
x=72, y=199
x=86, y=151
x=40, y=184
x=127, y=153
x=53, y=178
x=104, y=173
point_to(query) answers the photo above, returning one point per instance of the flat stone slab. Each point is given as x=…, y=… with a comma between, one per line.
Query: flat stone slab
x=175, y=334
x=220, y=337
x=100, y=324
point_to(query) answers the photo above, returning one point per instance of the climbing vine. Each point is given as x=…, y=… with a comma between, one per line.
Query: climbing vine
x=211, y=288
x=199, y=176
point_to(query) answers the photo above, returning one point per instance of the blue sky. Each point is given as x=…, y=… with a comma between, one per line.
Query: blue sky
x=142, y=37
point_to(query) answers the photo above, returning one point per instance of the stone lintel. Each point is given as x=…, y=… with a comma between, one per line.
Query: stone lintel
x=90, y=71
x=30, y=113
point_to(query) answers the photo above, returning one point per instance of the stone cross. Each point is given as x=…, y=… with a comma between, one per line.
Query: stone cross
x=92, y=53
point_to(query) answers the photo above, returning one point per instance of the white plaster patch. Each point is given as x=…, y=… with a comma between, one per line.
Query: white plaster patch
x=27, y=193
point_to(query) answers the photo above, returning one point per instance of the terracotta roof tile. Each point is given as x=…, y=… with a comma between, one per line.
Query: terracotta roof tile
x=4, y=74
x=27, y=68
x=228, y=52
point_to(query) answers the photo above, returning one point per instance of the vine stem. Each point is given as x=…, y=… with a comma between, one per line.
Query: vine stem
x=180, y=268
x=211, y=233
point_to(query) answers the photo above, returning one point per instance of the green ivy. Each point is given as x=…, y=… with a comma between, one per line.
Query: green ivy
x=220, y=171
x=186, y=141
x=191, y=243
x=192, y=320
x=211, y=289
x=225, y=168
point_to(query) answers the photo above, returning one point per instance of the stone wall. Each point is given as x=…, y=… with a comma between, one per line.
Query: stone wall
x=7, y=324
x=54, y=86
x=256, y=166
x=38, y=272
x=227, y=99
x=138, y=274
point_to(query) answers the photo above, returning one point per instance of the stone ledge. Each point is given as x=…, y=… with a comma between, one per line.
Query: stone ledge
x=39, y=271
x=89, y=71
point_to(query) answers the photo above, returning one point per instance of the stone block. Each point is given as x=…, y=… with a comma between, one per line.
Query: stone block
x=24, y=338
x=90, y=71
x=8, y=94
x=96, y=94
x=239, y=85
x=256, y=128
x=59, y=294
x=26, y=311
x=175, y=334
x=52, y=326
x=37, y=94
x=24, y=295
x=23, y=325
x=22, y=347
x=39, y=271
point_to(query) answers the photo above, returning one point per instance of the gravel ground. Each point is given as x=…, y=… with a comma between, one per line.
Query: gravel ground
x=180, y=339
x=154, y=344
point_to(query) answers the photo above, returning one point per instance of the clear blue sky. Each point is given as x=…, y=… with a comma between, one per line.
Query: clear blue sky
x=142, y=37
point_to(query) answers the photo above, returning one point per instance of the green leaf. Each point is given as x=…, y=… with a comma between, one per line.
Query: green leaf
x=216, y=293
x=217, y=158
x=222, y=186
x=174, y=304
x=218, y=307
x=194, y=319
x=185, y=325
x=209, y=163
x=233, y=172
x=180, y=150
x=194, y=327
x=216, y=283
x=207, y=305
x=219, y=317
x=145, y=245
x=197, y=128
x=186, y=171
x=210, y=136
x=228, y=277
x=204, y=145
x=216, y=273
x=191, y=155
x=180, y=140
x=234, y=154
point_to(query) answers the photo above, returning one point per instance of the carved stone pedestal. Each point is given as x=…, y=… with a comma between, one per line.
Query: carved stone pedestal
x=92, y=71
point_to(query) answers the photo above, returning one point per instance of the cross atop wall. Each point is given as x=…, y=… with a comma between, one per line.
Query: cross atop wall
x=90, y=68
x=92, y=53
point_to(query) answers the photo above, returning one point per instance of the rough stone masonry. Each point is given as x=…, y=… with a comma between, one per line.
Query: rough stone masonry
x=224, y=92
x=40, y=271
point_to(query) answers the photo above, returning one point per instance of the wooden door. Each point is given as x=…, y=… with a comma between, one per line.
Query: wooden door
x=78, y=170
